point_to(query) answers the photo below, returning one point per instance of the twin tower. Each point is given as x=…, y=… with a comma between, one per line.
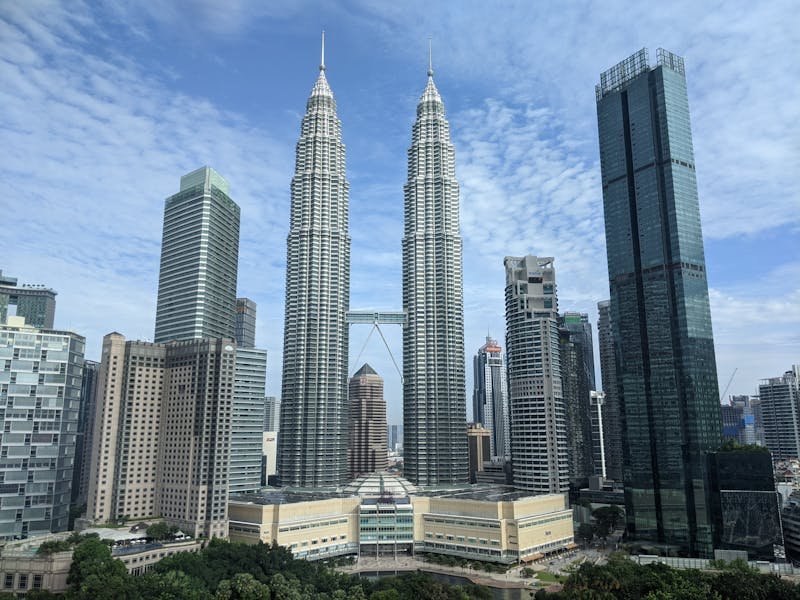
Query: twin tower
x=314, y=422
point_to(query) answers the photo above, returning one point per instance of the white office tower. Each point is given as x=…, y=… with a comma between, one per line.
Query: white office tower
x=434, y=397
x=536, y=402
x=490, y=398
x=313, y=437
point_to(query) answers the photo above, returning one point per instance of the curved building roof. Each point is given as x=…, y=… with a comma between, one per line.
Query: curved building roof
x=381, y=484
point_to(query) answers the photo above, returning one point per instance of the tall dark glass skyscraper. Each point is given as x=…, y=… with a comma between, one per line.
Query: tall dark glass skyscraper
x=659, y=301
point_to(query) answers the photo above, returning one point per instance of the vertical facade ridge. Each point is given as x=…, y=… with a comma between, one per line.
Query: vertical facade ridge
x=434, y=397
x=313, y=438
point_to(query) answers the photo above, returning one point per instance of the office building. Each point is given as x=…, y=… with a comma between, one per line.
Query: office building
x=83, y=437
x=34, y=303
x=479, y=441
x=660, y=316
x=385, y=515
x=612, y=422
x=199, y=260
x=752, y=427
x=123, y=473
x=434, y=397
x=490, y=397
x=536, y=403
x=269, y=465
x=40, y=387
x=313, y=435
x=577, y=323
x=393, y=438
x=272, y=412
x=598, y=448
x=745, y=505
x=163, y=433
x=368, y=451
x=732, y=422
x=247, y=419
x=780, y=413
x=244, y=325
x=196, y=433
x=575, y=389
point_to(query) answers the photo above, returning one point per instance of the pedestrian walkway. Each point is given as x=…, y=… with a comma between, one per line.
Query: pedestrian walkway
x=388, y=564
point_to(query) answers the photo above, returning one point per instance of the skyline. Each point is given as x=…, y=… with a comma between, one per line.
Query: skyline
x=531, y=148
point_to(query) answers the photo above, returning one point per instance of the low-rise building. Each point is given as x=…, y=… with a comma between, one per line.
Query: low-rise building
x=386, y=515
x=23, y=569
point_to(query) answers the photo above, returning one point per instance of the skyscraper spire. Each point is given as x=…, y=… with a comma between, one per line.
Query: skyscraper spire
x=313, y=439
x=322, y=59
x=434, y=401
x=430, y=57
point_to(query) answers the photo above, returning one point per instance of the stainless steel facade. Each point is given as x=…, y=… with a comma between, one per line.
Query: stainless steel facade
x=313, y=438
x=434, y=395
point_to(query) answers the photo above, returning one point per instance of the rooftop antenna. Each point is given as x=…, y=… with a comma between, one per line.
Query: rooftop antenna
x=430, y=57
x=322, y=59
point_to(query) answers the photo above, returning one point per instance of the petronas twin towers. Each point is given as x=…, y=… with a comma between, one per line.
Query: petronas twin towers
x=313, y=440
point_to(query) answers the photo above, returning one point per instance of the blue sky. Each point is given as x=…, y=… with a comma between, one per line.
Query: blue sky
x=105, y=105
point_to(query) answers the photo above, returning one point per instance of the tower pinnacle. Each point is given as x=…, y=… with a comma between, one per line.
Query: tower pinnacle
x=322, y=58
x=430, y=57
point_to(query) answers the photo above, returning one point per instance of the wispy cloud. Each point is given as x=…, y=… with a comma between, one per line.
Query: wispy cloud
x=94, y=146
x=98, y=135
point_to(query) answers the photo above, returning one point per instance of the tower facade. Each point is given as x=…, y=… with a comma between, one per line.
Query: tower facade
x=575, y=391
x=35, y=303
x=125, y=453
x=780, y=413
x=244, y=324
x=194, y=454
x=612, y=421
x=313, y=438
x=660, y=316
x=434, y=396
x=199, y=260
x=247, y=419
x=490, y=398
x=368, y=451
x=536, y=401
x=40, y=386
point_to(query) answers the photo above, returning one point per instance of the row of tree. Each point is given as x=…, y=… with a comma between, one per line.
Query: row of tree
x=230, y=571
x=623, y=579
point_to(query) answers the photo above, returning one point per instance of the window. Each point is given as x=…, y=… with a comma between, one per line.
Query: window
x=9, y=580
x=37, y=582
x=22, y=582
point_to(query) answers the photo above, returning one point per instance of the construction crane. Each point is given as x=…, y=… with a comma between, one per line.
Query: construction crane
x=725, y=391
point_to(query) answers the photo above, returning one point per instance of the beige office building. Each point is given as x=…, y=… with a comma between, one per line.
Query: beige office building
x=123, y=467
x=386, y=515
x=162, y=442
x=368, y=447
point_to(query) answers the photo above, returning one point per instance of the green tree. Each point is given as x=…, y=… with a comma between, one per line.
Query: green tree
x=161, y=531
x=95, y=574
x=242, y=587
x=585, y=532
x=607, y=518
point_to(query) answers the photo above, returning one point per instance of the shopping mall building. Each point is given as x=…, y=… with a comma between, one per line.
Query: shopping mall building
x=385, y=514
